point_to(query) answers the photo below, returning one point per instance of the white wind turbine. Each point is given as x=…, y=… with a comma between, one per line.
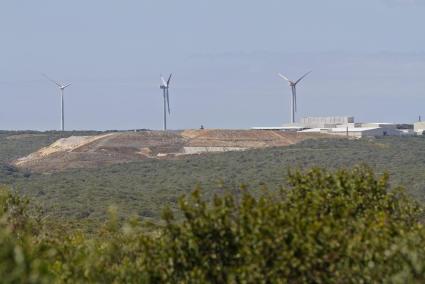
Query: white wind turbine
x=62, y=88
x=293, y=86
x=165, y=85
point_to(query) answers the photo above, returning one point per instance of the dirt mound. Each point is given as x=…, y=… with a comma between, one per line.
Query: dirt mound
x=122, y=147
x=241, y=138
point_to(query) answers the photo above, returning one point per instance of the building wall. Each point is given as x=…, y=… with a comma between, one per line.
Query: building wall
x=349, y=125
x=419, y=127
x=322, y=122
x=374, y=132
x=393, y=132
x=383, y=125
x=353, y=133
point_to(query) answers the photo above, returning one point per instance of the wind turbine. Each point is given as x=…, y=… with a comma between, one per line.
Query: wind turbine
x=62, y=88
x=293, y=86
x=165, y=85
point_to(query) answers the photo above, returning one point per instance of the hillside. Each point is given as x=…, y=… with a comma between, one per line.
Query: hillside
x=16, y=144
x=121, y=147
x=143, y=187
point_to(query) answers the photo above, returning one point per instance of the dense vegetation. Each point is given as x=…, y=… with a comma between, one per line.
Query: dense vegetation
x=143, y=188
x=345, y=226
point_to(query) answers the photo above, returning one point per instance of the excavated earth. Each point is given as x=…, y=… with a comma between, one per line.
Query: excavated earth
x=122, y=147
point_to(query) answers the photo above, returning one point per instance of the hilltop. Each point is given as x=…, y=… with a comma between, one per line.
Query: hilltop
x=122, y=147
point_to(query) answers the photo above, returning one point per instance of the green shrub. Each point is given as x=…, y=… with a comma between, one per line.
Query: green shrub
x=326, y=227
x=22, y=258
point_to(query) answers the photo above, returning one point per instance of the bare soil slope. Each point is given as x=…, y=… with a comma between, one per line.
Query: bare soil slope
x=122, y=147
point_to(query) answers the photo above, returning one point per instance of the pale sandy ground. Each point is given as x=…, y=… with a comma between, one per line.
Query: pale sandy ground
x=62, y=145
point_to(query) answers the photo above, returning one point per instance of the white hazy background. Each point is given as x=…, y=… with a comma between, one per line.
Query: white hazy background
x=367, y=57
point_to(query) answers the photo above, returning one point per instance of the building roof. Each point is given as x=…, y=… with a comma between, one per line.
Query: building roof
x=310, y=130
x=341, y=129
x=277, y=128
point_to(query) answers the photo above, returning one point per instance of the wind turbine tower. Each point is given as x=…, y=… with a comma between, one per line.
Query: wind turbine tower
x=165, y=85
x=293, y=86
x=62, y=88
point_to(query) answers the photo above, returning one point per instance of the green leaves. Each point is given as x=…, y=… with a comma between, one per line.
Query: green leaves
x=22, y=258
x=326, y=227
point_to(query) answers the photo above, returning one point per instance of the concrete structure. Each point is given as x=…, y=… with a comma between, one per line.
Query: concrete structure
x=379, y=124
x=350, y=125
x=352, y=132
x=345, y=126
x=326, y=122
x=282, y=128
x=357, y=132
x=419, y=127
x=407, y=132
x=315, y=130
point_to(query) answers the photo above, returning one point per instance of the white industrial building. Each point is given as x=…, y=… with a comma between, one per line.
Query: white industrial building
x=419, y=127
x=357, y=132
x=326, y=122
x=379, y=124
x=345, y=126
x=353, y=132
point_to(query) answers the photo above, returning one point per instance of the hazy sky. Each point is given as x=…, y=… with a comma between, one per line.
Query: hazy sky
x=367, y=57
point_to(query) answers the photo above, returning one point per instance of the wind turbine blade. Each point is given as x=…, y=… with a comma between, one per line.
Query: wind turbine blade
x=168, y=102
x=283, y=77
x=163, y=82
x=67, y=85
x=51, y=80
x=169, y=79
x=303, y=77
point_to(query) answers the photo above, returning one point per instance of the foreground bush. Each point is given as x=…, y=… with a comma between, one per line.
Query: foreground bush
x=327, y=227
x=22, y=256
